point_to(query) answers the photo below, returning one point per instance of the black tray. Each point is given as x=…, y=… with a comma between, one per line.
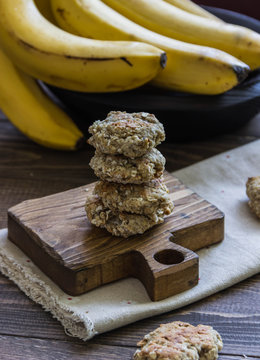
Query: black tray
x=185, y=116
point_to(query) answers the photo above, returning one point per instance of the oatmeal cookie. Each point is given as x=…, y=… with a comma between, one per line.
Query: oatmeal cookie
x=151, y=199
x=131, y=135
x=120, y=169
x=180, y=341
x=115, y=222
x=253, y=192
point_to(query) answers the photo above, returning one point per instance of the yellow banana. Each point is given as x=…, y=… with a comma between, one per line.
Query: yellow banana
x=168, y=20
x=192, y=8
x=44, y=7
x=189, y=67
x=48, y=53
x=32, y=112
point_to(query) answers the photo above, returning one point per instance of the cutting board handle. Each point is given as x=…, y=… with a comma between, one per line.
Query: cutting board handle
x=165, y=268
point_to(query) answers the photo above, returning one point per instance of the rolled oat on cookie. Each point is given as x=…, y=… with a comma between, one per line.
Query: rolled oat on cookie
x=150, y=199
x=180, y=341
x=131, y=135
x=131, y=197
x=124, y=170
x=116, y=222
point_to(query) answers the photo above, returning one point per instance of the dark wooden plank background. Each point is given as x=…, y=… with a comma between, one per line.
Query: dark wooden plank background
x=249, y=7
x=27, y=332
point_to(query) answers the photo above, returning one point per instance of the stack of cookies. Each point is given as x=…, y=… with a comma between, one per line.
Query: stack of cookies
x=131, y=197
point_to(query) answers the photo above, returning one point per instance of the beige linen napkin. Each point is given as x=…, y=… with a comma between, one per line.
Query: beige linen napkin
x=221, y=180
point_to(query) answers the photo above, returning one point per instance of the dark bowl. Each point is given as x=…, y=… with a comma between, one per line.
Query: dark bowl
x=185, y=116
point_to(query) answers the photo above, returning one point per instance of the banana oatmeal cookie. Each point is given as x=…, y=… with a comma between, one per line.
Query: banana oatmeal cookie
x=120, y=169
x=131, y=135
x=151, y=199
x=253, y=192
x=117, y=223
x=180, y=341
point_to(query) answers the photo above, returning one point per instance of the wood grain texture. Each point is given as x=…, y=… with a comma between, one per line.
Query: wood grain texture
x=35, y=349
x=55, y=233
x=29, y=171
x=233, y=312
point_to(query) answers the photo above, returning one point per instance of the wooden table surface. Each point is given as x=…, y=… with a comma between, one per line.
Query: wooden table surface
x=27, y=332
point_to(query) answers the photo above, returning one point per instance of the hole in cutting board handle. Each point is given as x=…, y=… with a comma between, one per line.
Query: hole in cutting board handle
x=169, y=257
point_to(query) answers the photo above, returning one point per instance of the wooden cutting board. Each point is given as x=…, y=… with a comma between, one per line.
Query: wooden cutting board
x=56, y=234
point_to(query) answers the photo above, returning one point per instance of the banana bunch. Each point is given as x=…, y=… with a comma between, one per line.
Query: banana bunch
x=32, y=47
x=50, y=54
x=168, y=20
x=190, y=68
x=111, y=46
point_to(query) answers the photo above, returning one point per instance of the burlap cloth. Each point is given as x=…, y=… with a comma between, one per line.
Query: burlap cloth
x=221, y=180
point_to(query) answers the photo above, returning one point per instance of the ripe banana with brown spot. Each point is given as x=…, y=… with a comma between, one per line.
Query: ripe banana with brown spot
x=48, y=53
x=189, y=68
x=168, y=20
x=32, y=112
x=44, y=6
